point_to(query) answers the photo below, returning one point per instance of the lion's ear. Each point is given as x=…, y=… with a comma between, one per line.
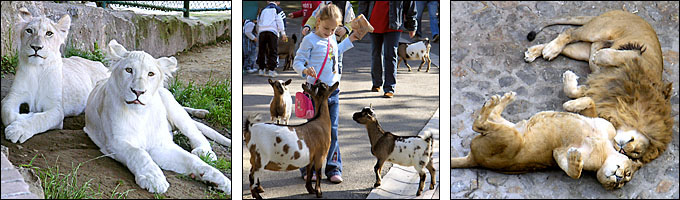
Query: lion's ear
x=24, y=14
x=116, y=51
x=168, y=65
x=63, y=26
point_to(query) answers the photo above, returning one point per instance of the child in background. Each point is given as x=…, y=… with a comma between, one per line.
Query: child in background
x=307, y=8
x=249, y=46
x=313, y=50
x=270, y=25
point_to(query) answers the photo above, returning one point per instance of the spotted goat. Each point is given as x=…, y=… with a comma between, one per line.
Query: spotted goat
x=407, y=151
x=415, y=51
x=279, y=147
x=281, y=105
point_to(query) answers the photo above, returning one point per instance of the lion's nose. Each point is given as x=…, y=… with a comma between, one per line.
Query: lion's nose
x=36, y=48
x=138, y=93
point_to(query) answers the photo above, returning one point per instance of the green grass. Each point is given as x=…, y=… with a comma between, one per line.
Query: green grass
x=96, y=55
x=9, y=63
x=221, y=164
x=215, y=96
x=63, y=184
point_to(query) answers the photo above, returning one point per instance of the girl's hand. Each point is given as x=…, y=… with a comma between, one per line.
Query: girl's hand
x=309, y=71
x=305, y=31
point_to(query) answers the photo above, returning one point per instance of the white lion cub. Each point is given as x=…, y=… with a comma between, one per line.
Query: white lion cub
x=130, y=116
x=52, y=86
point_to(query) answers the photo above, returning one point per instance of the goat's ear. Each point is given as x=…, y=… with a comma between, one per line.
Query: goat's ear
x=335, y=86
x=116, y=51
x=370, y=106
x=25, y=15
x=288, y=82
x=271, y=82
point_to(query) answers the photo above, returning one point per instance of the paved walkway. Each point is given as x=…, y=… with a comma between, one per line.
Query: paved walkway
x=402, y=182
x=488, y=44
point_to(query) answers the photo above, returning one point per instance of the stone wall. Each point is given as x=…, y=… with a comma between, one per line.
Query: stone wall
x=159, y=35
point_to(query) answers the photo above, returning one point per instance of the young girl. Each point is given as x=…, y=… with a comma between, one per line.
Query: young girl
x=312, y=51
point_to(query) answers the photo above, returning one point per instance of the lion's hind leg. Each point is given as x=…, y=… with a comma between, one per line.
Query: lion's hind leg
x=570, y=160
x=507, y=98
x=577, y=51
x=609, y=57
x=481, y=123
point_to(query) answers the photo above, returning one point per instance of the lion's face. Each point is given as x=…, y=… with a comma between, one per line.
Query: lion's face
x=40, y=37
x=631, y=143
x=137, y=75
x=616, y=171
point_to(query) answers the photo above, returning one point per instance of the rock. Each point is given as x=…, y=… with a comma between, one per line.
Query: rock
x=33, y=181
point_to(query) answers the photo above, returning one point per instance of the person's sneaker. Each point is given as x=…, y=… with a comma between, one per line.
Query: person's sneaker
x=375, y=89
x=435, y=38
x=251, y=70
x=388, y=95
x=260, y=72
x=335, y=179
x=313, y=177
x=273, y=74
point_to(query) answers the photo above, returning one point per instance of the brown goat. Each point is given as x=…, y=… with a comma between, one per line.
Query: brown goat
x=289, y=147
x=281, y=105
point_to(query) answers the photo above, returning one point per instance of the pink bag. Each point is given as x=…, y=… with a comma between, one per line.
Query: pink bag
x=304, y=107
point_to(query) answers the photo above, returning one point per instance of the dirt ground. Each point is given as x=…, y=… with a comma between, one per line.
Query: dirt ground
x=70, y=146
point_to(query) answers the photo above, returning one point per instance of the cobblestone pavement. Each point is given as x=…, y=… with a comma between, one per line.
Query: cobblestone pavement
x=488, y=42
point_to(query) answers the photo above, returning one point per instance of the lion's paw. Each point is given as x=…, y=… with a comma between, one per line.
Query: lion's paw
x=575, y=160
x=533, y=52
x=200, y=113
x=154, y=182
x=508, y=97
x=551, y=50
x=203, y=150
x=603, y=57
x=570, y=81
x=17, y=132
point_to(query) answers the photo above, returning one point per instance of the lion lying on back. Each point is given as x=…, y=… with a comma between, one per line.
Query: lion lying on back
x=625, y=86
x=570, y=141
x=130, y=117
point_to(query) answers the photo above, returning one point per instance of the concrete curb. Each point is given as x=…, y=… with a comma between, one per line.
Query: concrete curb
x=401, y=182
x=13, y=185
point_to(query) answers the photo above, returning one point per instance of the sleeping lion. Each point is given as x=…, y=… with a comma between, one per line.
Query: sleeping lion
x=625, y=86
x=548, y=139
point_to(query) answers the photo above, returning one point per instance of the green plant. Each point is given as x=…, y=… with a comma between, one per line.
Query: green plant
x=221, y=164
x=9, y=63
x=215, y=96
x=215, y=194
x=58, y=184
x=96, y=55
x=119, y=195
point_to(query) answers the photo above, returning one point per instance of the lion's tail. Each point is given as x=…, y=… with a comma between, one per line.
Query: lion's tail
x=212, y=134
x=463, y=162
x=577, y=21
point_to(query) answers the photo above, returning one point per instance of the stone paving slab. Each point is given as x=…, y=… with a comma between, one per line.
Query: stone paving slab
x=401, y=182
x=12, y=184
x=488, y=40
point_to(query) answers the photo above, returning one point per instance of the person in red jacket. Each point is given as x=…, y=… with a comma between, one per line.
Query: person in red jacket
x=307, y=8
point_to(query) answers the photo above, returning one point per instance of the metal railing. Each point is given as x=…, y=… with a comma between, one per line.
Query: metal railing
x=182, y=6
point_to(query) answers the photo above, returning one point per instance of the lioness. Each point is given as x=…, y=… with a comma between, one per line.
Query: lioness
x=130, y=115
x=570, y=141
x=52, y=86
x=625, y=86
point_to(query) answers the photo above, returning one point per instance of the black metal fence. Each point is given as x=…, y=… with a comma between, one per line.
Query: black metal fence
x=182, y=6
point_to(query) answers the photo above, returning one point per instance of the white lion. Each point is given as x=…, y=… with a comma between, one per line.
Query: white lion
x=130, y=116
x=52, y=86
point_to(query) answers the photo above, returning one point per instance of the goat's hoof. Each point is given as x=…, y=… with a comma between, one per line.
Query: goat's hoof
x=318, y=194
x=376, y=185
x=418, y=193
x=259, y=189
x=431, y=186
x=311, y=190
x=256, y=195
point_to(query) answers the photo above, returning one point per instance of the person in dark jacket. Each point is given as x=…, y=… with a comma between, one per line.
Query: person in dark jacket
x=387, y=18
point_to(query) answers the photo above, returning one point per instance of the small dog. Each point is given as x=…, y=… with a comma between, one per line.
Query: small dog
x=415, y=51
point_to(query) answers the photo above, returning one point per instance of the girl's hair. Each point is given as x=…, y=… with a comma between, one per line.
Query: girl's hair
x=330, y=12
